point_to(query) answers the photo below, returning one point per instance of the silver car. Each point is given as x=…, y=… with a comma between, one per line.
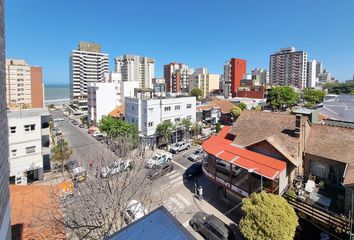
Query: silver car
x=196, y=155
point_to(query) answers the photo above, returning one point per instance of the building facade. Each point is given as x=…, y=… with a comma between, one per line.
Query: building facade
x=147, y=113
x=136, y=68
x=28, y=144
x=205, y=81
x=177, y=77
x=234, y=70
x=24, y=85
x=5, y=223
x=312, y=79
x=102, y=99
x=260, y=75
x=288, y=67
x=87, y=65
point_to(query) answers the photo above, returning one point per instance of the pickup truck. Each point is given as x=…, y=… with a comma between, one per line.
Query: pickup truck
x=158, y=159
x=180, y=146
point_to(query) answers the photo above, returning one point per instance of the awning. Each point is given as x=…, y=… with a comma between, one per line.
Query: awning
x=258, y=163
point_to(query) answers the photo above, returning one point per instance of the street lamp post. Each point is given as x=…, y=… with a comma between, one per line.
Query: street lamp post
x=251, y=170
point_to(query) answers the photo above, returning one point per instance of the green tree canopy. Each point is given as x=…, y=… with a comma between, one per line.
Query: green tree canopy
x=61, y=153
x=236, y=111
x=114, y=127
x=242, y=105
x=257, y=108
x=164, y=129
x=313, y=96
x=268, y=216
x=218, y=127
x=186, y=123
x=281, y=97
x=339, y=88
x=352, y=92
x=196, y=92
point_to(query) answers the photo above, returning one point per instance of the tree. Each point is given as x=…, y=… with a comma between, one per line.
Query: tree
x=196, y=129
x=51, y=106
x=196, y=92
x=96, y=207
x=235, y=111
x=313, y=96
x=352, y=92
x=281, y=97
x=257, y=108
x=61, y=153
x=115, y=128
x=164, y=129
x=84, y=120
x=242, y=105
x=268, y=216
x=186, y=123
x=339, y=88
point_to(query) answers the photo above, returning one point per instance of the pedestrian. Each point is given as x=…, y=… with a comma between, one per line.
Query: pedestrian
x=200, y=193
x=97, y=172
x=75, y=183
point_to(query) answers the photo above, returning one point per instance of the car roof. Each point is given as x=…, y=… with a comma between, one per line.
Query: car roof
x=218, y=223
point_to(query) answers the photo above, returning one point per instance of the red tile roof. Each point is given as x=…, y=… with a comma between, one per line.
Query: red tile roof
x=224, y=105
x=262, y=165
x=117, y=112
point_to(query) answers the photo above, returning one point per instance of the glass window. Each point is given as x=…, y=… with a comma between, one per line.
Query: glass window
x=30, y=149
x=13, y=152
x=151, y=124
x=167, y=109
x=189, y=105
x=178, y=107
x=12, y=129
x=30, y=127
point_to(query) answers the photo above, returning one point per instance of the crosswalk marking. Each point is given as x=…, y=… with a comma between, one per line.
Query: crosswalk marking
x=171, y=173
x=176, y=180
x=174, y=175
x=181, y=166
x=184, y=200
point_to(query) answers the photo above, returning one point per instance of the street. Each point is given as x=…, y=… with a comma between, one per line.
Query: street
x=176, y=194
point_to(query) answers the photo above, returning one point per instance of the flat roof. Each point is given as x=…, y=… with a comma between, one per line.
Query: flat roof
x=31, y=112
x=158, y=224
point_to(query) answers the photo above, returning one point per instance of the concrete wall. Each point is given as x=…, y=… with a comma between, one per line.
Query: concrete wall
x=37, y=98
x=5, y=228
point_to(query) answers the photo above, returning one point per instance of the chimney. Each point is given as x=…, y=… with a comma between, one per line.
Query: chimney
x=297, y=125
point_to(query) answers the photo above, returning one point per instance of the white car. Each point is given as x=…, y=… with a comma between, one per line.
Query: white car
x=158, y=159
x=180, y=146
x=116, y=167
x=135, y=210
x=196, y=155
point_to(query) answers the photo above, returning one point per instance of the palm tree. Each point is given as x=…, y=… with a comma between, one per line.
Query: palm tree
x=195, y=129
x=164, y=130
x=186, y=123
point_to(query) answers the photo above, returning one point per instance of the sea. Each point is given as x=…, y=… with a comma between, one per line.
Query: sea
x=56, y=94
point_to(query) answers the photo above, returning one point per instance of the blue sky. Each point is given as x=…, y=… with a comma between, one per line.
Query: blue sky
x=200, y=33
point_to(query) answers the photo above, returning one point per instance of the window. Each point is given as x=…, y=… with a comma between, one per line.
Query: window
x=30, y=127
x=189, y=117
x=167, y=109
x=177, y=119
x=178, y=107
x=12, y=129
x=132, y=108
x=13, y=152
x=151, y=124
x=30, y=149
x=189, y=105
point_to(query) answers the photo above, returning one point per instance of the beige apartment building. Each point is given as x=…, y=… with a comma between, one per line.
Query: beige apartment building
x=24, y=85
x=205, y=81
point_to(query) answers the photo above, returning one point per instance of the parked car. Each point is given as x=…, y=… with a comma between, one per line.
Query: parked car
x=81, y=125
x=180, y=146
x=158, y=159
x=116, y=167
x=90, y=130
x=71, y=164
x=160, y=170
x=99, y=137
x=135, y=210
x=78, y=173
x=211, y=227
x=196, y=155
x=195, y=170
x=75, y=122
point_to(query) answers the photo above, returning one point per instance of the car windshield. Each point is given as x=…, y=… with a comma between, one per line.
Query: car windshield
x=155, y=158
x=197, y=152
x=177, y=145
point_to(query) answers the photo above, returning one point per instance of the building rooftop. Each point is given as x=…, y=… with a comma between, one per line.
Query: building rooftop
x=117, y=112
x=28, y=112
x=277, y=128
x=224, y=105
x=335, y=143
x=31, y=215
x=158, y=224
x=340, y=108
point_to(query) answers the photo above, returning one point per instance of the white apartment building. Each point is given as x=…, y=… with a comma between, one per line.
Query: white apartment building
x=288, y=67
x=205, y=81
x=312, y=79
x=148, y=113
x=260, y=75
x=28, y=144
x=102, y=98
x=227, y=80
x=136, y=68
x=87, y=65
